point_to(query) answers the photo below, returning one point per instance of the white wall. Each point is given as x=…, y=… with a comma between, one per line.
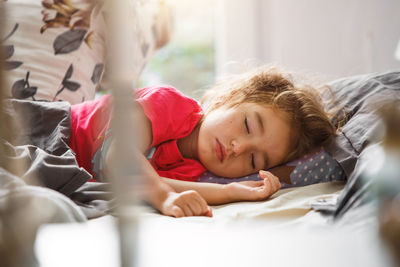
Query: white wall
x=332, y=37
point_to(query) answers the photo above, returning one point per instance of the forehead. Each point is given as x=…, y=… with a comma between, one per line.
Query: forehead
x=265, y=109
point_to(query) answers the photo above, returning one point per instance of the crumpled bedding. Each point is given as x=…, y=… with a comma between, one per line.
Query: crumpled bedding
x=39, y=147
x=18, y=199
x=359, y=98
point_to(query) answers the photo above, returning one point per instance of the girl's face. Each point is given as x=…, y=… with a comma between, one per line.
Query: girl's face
x=238, y=141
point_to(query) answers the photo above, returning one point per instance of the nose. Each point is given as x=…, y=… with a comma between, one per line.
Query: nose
x=240, y=146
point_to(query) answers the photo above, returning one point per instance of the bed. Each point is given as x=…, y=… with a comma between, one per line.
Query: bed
x=323, y=223
x=322, y=217
x=283, y=231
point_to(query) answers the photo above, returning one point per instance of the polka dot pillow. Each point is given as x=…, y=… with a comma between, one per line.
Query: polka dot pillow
x=315, y=167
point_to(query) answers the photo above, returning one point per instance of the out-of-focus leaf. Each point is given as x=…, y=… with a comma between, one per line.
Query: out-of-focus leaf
x=12, y=32
x=10, y=65
x=69, y=72
x=19, y=90
x=30, y=91
x=69, y=41
x=8, y=51
x=72, y=86
x=97, y=71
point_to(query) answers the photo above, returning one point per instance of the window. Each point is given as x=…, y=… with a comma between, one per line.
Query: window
x=187, y=61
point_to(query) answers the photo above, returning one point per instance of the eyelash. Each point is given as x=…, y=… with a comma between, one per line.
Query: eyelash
x=252, y=155
x=247, y=125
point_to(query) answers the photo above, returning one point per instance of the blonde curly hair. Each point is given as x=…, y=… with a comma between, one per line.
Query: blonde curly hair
x=301, y=105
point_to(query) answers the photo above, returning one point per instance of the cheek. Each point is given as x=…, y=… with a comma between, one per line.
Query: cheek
x=204, y=145
x=234, y=169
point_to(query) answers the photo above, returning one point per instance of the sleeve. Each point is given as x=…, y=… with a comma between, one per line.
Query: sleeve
x=172, y=114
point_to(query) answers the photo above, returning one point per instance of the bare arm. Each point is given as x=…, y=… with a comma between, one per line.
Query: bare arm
x=161, y=195
x=216, y=194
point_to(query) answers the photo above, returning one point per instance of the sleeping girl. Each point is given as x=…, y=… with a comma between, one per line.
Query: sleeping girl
x=246, y=124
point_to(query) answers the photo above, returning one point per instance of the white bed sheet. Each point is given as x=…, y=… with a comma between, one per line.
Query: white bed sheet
x=282, y=231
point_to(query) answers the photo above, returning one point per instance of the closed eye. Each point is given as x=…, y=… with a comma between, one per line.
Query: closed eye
x=247, y=125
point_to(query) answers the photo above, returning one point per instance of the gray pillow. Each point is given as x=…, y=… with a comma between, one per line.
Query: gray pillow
x=359, y=97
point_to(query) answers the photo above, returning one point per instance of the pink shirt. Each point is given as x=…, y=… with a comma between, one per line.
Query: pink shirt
x=172, y=115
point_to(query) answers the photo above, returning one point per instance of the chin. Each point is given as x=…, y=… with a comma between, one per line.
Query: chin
x=213, y=170
x=220, y=173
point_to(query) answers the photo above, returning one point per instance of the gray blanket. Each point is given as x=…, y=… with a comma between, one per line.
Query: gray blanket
x=39, y=147
x=358, y=99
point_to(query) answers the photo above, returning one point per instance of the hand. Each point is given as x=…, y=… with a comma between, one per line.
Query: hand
x=254, y=190
x=186, y=203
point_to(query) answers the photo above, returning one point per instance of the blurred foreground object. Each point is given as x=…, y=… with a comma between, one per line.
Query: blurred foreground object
x=147, y=27
x=24, y=206
x=397, y=52
x=123, y=74
x=383, y=172
x=388, y=188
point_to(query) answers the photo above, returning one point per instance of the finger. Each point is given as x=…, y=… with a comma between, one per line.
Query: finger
x=177, y=212
x=195, y=207
x=203, y=205
x=196, y=202
x=253, y=183
x=268, y=187
x=208, y=212
x=186, y=209
x=263, y=174
x=192, y=199
x=276, y=184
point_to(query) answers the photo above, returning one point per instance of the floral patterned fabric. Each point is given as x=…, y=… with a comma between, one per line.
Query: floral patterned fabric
x=54, y=49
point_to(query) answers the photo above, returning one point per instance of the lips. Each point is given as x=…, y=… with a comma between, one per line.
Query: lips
x=220, y=151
